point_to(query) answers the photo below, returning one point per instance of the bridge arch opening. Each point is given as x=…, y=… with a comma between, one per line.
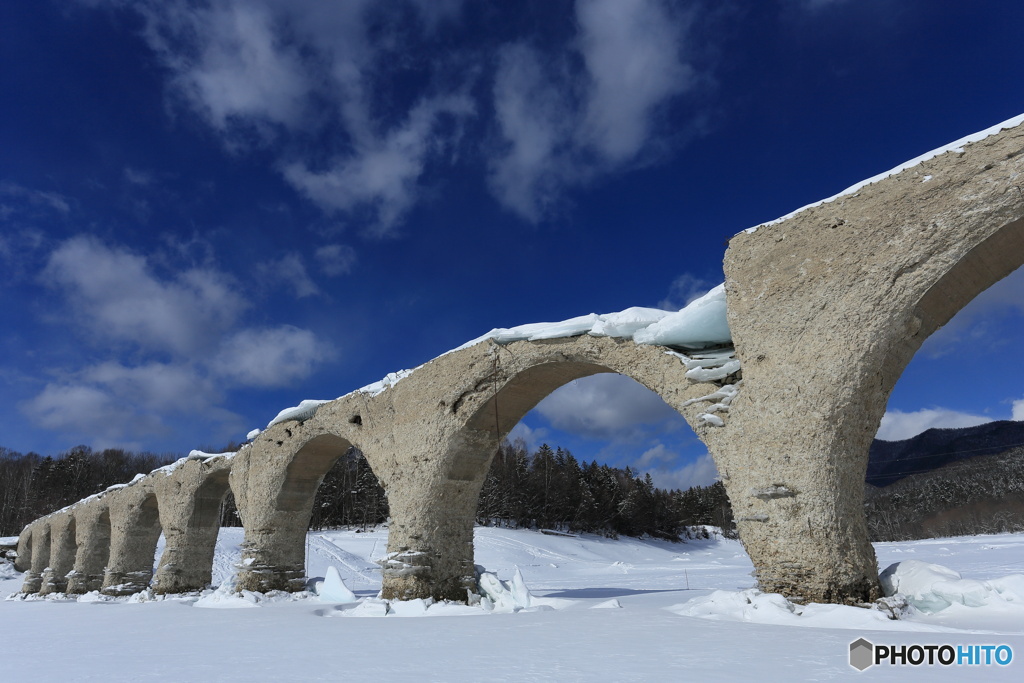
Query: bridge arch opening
x=964, y=380
x=514, y=398
x=306, y=471
x=614, y=420
x=277, y=530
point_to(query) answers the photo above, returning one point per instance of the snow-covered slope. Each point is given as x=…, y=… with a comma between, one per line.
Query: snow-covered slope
x=659, y=618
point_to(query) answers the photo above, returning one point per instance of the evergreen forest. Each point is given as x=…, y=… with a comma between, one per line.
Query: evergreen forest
x=548, y=489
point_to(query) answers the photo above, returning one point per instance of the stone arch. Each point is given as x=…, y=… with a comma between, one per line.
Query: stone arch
x=275, y=482
x=430, y=545
x=92, y=532
x=990, y=260
x=190, y=498
x=826, y=308
x=134, y=531
x=62, y=553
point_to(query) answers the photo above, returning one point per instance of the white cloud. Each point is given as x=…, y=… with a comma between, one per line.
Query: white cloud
x=228, y=62
x=700, y=472
x=269, y=357
x=64, y=406
x=632, y=52
x=161, y=387
x=654, y=456
x=536, y=121
x=336, y=259
x=1018, y=410
x=319, y=78
x=134, y=176
x=183, y=334
x=266, y=70
x=111, y=404
x=533, y=438
x=290, y=270
x=898, y=425
x=605, y=406
x=114, y=294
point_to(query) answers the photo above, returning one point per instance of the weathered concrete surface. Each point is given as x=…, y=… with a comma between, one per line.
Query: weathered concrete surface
x=134, y=530
x=92, y=531
x=190, y=499
x=826, y=310
x=62, y=553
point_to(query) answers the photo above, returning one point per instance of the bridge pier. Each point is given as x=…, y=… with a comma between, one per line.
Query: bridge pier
x=430, y=547
x=92, y=524
x=40, y=557
x=190, y=500
x=826, y=309
x=62, y=554
x=134, y=531
x=797, y=496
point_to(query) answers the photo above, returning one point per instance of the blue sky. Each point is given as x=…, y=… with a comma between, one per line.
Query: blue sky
x=210, y=211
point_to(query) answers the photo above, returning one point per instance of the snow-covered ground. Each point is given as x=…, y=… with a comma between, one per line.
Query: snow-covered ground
x=604, y=610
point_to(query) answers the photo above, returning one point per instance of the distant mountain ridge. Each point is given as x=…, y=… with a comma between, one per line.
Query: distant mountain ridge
x=890, y=461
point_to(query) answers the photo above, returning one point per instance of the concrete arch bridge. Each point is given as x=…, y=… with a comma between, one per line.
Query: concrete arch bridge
x=826, y=307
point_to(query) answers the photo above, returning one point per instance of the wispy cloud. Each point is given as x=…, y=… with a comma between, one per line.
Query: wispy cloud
x=291, y=271
x=335, y=259
x=381, y=178
x=563, y=126
x=37, y=198
x=685, y=289
x=975, y=323
x=288, y=75
x=354, y=113
x=632, y=52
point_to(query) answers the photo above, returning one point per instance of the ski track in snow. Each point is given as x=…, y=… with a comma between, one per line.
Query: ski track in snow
x=353, y=569
x=649, y=637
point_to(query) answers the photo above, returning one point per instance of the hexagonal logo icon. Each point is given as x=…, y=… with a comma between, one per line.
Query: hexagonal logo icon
x=862, y=654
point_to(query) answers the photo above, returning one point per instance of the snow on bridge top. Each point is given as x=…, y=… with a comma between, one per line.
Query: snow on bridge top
x=700, y=326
